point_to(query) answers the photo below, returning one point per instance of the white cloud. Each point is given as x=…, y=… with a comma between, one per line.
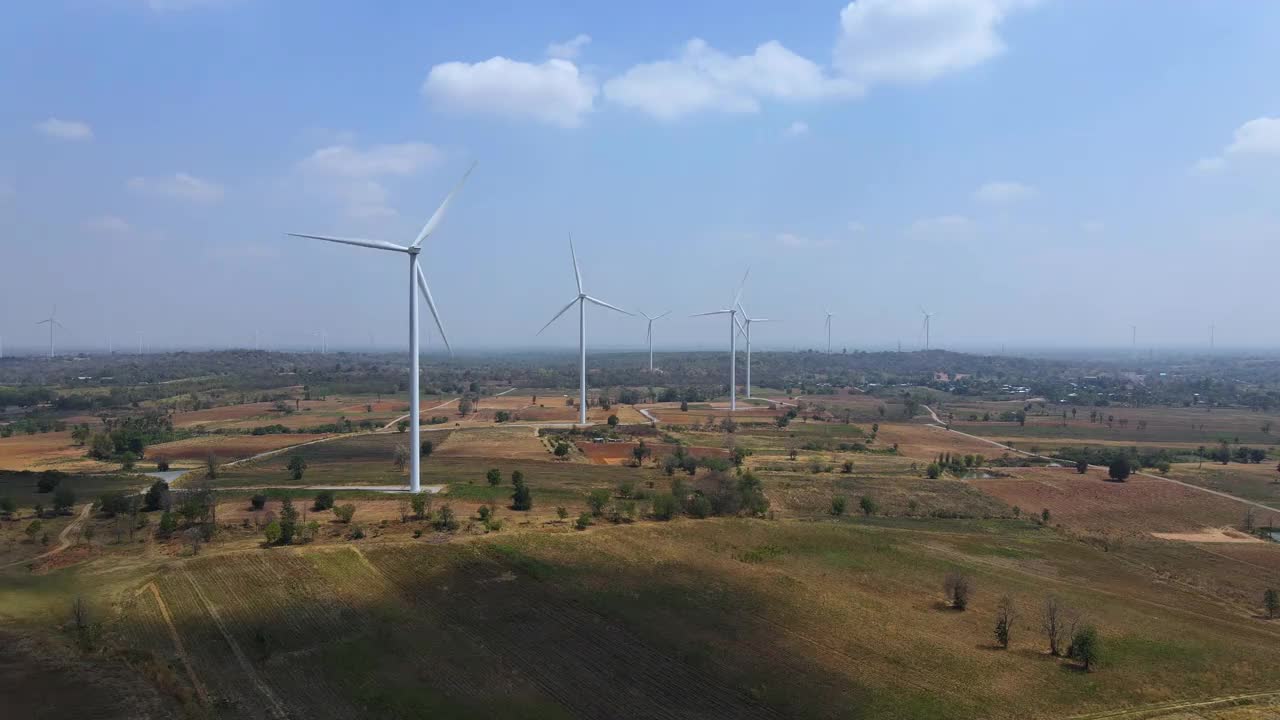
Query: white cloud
x=796, y=129
x=1000, y=192
x=911, y=41
x=65, y=129
x=940, y=224
x=705, y=79
x=856, y=227
x=352, y=176
x=107, y=225
x=569, y=49
x=180, y=185
x=1259, y=137
x=553, y=92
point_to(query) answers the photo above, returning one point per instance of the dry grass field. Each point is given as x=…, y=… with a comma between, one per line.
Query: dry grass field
x=192, y=452
x=47, y=451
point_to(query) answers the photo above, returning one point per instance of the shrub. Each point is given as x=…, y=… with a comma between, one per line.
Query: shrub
x=933, y=471
x=521, y=497
x=297, y=465
x=7, y=505
x=344, y=513
x=272, y=532
x=162, y=463
x=168, y=523
x=426, y=448
x=562, y=449
x=63, y=499
x=838, y=504
x=258, y=501
x=868, y=505
x=583, y=522
x=562, y=512
x=33, y=529
x=1085, y=647
x=1120, y=469
x=157, y=496
x=626, y=488
x=596, y=500
x=700, y=506
x=494, y=476
x=665, y=507
x=1082, y=466
x=419, y=502
x=114, y=503
x=355, y=533
x=324, y=501
x=846, y=467
x=48, y=480
x=1271, y=602
x=613, y=421
x=957, y=587
x=445, y=520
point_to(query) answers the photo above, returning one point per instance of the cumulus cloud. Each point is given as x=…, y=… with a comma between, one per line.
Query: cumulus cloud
x=940, y=224
x=1000, y=192
x=1259, y=137
x=911, y=41
x=179, y=185
x=552, y=92
x=353, y=176
x=107, y=225
x=65, y=129
x=569, y=49
x=796, y=129
x=705, y=79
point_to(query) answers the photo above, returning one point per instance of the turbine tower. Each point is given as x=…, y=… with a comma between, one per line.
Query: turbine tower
x=649, y=334
x=732, y=312
x=51, y=322
x=419, y=279
x=927, y=317
x=582, y=299
x=827, y=325
x=745, y=328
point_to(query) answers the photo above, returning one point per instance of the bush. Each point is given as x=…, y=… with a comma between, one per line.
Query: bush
x=1271, y=602
x=665, y=507
x=355, y=533
x=933, y=471
x=7, y=505
x=157, y=496
x=1082, y=466
x=700, y=507
x=258, y=501
x=324, y=501
x=521, y=498
x=48, y=480
x=838, y=504
x=562, y=512
x=613, y=421
x=168, y=523
x=846, y=467
x=494, y=476
x=1120, y=469
x=419, y=502
x=596, y=500
x=868, y=505
x=1085, y=647
x=426, y=448
x=583, y=522
x=344, y=513
x=272, y=532
x=957, y=588
x=114, y=503
x=445, y=520
x=162, y=464
x=63, y=499
x=297, y=465
x=1005, y=615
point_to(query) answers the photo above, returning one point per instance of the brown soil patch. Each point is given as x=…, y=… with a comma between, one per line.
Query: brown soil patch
x=44, y=451
x=226, y=447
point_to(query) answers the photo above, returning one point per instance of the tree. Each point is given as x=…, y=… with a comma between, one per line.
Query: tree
x=933, y=471
x=33, y=529
x=684, y=406
x=445, y=520
x=192, y=536
x=101, y=447
x=517, y=477
x=562, y=449
x=127, y=461
x=288, y=520
x=402, y=425
x=1082, y=466
x=846, y=467
x=738, y=455
x=168, y=523
x=63, y=499
x=596, y=500
x=583, y=522
x=272, y=532
x=1085, y=647
x=258, y=501
x=8, y=506
x=1005, y=615
x=419, y=501
x=1120, y=468
x=297, y=465
x=613, y=421
x=501, y=416
x=838, y=505
x=80, y=434
x=465, y=406
x=426, y=448
x=562, y=512
x=494, y=476
x=344, y=513
x=1056, y=621
x=211, y=466
x=521, y=497
x=48, y=480
x=157, y=497
x=868, y=505
x=113, y=504
x=640, y=452
x=665, y=507
x=957, y=587
x=1271, y=601
x=324, y=501
x=162, y=463
x=400, y=458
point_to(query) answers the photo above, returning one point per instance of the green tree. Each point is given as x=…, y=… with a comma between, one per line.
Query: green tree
x=33, y=529
x=868, y=505
x=258, y=501
x=162, y=463
x=1271, y=602
x=63, y=499
x=101, y=447
x=426, y=448
x=1086, y=647
x=583, y=522
x=521, y=497
x=288, y=520
x=168, y=523
x=445, y=520
x=596, y=501
x=1005, y=615
x=838, y=504
x=297, y=465
x=640, y=452
x=344, y=512
x=494, y=476
x=157, y=497
x=846, y=467
x=613, y=421
x=1082, y=466
x=665, y=507
x=933, y=471
x=8, y=506
x=419, y=502
x=1120, y=468
x=562, y=449
x=127, y=461
x=402, y=425
x=562, y=512
x=113, y=503
x=324, y=501
x=273, y=532
x=212, y=465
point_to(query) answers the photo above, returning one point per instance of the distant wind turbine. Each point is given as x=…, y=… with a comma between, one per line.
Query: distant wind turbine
x=927, y=317
x=649, y=334
x=1212, y=329
x=732, y=312
x=418, y=278
x=51, y=321
x=582, y=299
x=827, y=324
x=1134, y=341
x=746, y=331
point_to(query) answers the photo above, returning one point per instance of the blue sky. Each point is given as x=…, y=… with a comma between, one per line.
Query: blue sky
x=1036, y=173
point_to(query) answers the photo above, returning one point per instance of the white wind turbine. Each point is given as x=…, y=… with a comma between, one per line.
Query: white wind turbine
x=745, y=327
x=649, y=334
x=582, y=299
x=732, y=312
x=827, y=324
x=51, y=321
x=927, y=316
x=416, y=277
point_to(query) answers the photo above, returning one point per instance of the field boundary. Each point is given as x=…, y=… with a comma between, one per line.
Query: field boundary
x=181, y=649
x=1157, y=711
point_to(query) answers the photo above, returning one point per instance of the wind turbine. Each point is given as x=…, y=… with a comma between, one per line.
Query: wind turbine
x=1134, y=328
x=732, y=312
x=582, y=299
x=827, y=324
x=51, y=321
x=649, y=335
x=927, y=316
x=746, y=330
x=418, y=279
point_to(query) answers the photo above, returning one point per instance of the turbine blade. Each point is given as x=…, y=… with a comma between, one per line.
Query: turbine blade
x=431, y=305
x=576, y=273
x=375, y=244
x=557, y=316
x=438, y=215
x=741, y=329
x=604, y=304
x=663, y=315
x=713, y=312
x=759, y=319
x=741, y=285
